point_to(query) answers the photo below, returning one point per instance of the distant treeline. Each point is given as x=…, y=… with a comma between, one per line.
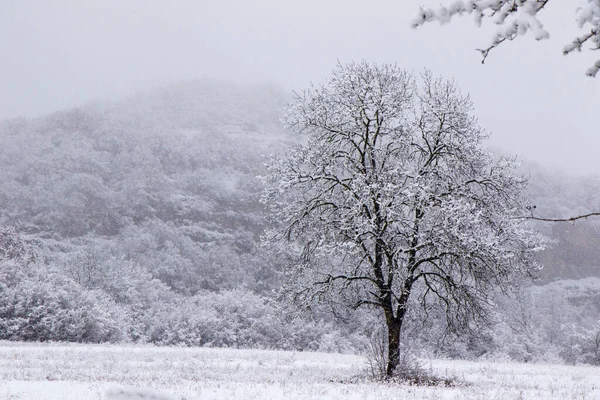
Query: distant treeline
x=140, y=220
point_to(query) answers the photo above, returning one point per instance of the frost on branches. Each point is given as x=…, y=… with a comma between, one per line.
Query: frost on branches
x=392, y=203
x=517, y=17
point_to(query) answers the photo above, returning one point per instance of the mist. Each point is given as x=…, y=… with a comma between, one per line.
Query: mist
x=151, y=195
x=536, y=103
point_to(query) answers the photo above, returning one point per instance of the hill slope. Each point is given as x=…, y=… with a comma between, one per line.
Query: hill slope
x=166, y=178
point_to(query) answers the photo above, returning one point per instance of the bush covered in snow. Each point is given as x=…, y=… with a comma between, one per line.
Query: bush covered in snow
x=242, y=319
x=95, y=298
x=554, y=322
x=39, y=303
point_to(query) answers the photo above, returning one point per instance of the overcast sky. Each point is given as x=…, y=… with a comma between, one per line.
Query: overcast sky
x=63, y=53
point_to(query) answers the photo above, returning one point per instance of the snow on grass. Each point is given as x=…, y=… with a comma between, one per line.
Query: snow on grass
x=106, y=372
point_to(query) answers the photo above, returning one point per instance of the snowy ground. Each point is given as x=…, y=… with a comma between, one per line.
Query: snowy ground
x=76, y=372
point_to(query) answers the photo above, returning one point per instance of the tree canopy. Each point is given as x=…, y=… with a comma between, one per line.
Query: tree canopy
x=394, y=204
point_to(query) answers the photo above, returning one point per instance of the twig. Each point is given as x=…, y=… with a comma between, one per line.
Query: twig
x=571, y=219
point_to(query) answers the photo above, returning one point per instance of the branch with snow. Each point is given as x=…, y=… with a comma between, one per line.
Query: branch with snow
x=518, y=17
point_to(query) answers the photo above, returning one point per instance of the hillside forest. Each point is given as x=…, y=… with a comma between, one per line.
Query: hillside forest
x=140, y=220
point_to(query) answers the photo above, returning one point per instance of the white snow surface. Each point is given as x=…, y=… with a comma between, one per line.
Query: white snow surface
x=110, y=372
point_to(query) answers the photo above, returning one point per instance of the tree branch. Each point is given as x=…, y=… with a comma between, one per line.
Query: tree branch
x=570, y=219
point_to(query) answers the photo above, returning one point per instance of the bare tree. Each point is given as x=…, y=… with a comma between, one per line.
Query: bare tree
x=391, y=203
x=516, y=18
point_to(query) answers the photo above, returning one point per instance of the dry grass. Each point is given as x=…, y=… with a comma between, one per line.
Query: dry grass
x=77, y=372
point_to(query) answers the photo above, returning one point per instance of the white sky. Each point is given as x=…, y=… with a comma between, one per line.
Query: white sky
x=63, y=53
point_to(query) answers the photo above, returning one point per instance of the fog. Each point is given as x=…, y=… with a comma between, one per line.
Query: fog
x=60, y=54
x=137, y=204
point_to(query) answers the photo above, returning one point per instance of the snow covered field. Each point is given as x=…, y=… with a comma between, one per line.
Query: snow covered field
x=78, y=372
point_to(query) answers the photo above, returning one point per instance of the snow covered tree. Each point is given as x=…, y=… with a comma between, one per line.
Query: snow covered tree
x=391, y=203
x=517, y=17
x=13, y=247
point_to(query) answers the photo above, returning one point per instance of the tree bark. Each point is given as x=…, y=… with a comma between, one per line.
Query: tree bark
x=394, y=326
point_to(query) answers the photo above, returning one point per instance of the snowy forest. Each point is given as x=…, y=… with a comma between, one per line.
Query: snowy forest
x=140, y=220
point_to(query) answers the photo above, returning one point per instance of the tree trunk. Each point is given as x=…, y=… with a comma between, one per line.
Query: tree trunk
x=394, y=326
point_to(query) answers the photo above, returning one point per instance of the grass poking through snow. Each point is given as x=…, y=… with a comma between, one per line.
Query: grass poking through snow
x=84, y=372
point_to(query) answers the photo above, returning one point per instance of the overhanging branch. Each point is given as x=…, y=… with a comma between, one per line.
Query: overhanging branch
x=570, y=219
